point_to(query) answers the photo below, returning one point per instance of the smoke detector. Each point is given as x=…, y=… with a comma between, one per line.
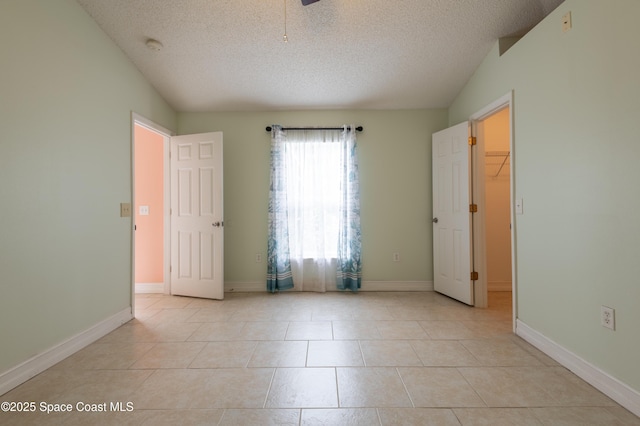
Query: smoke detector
x=154, y=45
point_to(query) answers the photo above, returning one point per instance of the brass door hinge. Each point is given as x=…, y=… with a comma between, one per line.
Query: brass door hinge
x=474, y=276
x=472, y=140
x=473, y=208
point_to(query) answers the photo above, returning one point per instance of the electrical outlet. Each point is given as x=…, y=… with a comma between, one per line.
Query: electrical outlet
x=258, y=257
x=608, y=317
x=396, y=257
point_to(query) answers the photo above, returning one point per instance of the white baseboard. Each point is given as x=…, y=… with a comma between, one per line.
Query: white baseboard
x=37, y=364
x=245, y=286
x=261, y=286
x=499, y=286
x=149, y=287
x=397, y=286
x=621, y=393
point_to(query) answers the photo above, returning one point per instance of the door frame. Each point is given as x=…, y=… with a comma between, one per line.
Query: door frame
x=137, y=119
x=478, y=189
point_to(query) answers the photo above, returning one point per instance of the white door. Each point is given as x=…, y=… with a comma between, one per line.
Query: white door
x=197, y=227
x=452, y=253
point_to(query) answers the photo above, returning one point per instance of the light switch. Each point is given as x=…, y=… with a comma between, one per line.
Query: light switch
x=519, y=207
x=125, y=209
x=566, y=22
x=144, y=210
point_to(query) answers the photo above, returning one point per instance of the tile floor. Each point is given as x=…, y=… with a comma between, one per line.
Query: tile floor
x=316, y=359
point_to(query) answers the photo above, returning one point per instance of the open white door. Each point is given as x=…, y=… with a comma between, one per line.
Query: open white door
x=452, y=255
x=197, y=227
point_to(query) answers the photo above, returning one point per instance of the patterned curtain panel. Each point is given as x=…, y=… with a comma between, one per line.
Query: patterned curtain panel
x=279, y=275
x=349, y=269
x=314, y=211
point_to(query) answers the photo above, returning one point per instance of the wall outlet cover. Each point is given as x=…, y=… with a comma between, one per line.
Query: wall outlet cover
x=608, y=317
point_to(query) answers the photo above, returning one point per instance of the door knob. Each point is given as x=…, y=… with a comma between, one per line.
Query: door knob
x=435, y=220
x=217, y=224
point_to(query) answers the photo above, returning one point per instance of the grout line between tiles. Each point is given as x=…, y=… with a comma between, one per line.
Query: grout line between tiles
x=413, y=405
x=335, y=374
x=266, y=397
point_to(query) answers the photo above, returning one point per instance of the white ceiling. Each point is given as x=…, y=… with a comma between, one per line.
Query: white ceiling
x=229, y=55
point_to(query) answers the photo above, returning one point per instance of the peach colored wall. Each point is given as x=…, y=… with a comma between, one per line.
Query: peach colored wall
x=149, y=191
x=497, y=199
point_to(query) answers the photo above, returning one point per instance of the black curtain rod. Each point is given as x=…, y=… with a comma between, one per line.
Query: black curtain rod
x=359, y=128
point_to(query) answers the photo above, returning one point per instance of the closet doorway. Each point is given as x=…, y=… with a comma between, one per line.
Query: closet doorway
x=494, y=247
x=494, y=230
x=497, y=198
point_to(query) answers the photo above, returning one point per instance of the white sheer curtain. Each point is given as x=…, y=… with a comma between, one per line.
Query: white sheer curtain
x=313, y=188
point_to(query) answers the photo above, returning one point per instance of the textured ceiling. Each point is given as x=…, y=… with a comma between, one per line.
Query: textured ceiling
x=229, y=55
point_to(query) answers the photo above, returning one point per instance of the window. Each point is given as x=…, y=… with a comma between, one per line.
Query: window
x=313, y=198
x=314, y=210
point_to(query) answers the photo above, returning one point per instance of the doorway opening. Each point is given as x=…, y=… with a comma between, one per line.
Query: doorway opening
x=494, y=241
x=151, y=202
x=497, y=173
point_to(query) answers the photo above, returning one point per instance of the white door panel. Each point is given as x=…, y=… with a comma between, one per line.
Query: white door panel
x=452, y=219
x=197, y=232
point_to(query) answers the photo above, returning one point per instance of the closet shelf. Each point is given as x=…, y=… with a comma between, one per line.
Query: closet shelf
x=497, y=153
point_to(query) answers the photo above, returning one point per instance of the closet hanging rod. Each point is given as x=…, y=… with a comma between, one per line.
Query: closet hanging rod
x=359, y=128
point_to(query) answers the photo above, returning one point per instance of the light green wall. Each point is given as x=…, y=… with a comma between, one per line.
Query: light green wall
x=577, y=121
x=395, y=184
x=66, y=96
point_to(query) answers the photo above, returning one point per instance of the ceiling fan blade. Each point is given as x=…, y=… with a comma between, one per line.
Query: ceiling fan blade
x=308, y=2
